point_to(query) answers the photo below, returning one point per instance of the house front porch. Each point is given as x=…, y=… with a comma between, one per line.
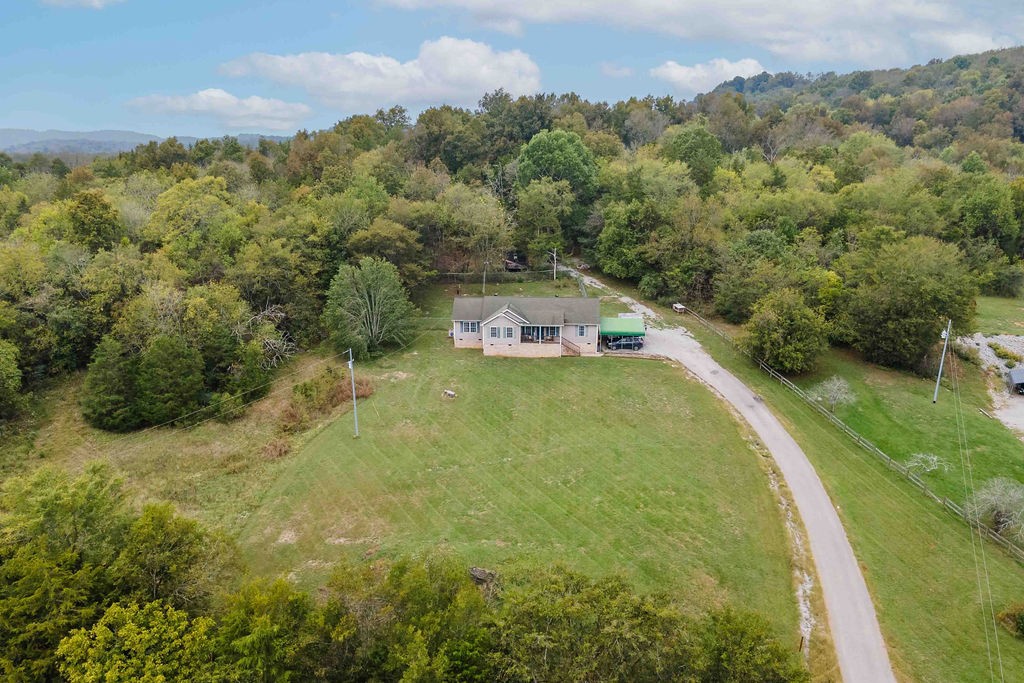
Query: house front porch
x=540, y=334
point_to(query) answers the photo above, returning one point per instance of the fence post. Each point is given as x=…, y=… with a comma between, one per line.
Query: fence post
x=1016, y=551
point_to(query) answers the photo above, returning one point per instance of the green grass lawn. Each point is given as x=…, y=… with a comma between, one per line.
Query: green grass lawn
x=1000, y=315
x=917, y=559
x=895, y=411
x=608, y=465
x=563, y=286
x=611, y=306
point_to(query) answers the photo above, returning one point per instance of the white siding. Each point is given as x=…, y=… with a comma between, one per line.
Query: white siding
x=466, y=340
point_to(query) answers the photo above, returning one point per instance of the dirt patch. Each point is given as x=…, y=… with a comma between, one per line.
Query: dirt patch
x=342, y=540
x=396, y=376
x=802, y=577
x=287, y=537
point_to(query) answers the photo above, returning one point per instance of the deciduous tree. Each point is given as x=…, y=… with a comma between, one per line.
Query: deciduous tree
x=367, y=308
x=785, y=332
x=559, y=155
x=901, y=294
x=147, y=644
x=834, y=391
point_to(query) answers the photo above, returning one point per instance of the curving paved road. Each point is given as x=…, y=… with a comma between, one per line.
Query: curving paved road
x=860, y=649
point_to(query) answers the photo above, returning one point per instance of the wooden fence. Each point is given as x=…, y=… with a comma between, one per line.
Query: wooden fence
x=1014, y=549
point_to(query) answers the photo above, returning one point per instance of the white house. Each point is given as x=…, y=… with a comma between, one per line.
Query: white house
x=527, y=326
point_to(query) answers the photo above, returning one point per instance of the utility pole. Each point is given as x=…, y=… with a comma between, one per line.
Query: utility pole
x=484, y=290
x=945, y=344
x=352, y=374
x=554, y=271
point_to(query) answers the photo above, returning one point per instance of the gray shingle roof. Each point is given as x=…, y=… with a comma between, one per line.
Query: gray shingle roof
x=538, y=310
x=1016, y=376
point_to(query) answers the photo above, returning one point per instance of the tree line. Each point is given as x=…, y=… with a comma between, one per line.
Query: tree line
x=807, y=226
x=94, y=589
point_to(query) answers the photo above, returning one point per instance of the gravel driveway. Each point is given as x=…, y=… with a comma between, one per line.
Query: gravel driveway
x=860, y=649
x=1006, y=406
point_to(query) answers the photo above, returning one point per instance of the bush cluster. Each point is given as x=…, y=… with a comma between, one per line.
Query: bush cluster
x=94, y=590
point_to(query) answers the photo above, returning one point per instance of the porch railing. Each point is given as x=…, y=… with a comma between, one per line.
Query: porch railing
x=569, y=348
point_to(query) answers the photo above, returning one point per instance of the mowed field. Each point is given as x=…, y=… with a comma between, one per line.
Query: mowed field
x=607, y=465
x=1000, y=315
x=895, y=411
x=918, y=560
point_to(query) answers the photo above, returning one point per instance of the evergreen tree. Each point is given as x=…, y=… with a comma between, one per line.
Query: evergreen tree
x=170, y=380
x=108, y=397
x=10, y=378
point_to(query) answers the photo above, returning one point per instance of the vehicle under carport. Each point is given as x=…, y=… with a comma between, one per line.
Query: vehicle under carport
x=622, y=334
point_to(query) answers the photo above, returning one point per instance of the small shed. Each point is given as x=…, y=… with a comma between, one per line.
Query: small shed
x=622, y=327
x=1014, y=378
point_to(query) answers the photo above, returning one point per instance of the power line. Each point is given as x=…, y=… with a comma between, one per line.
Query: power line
x=970, y=493
x=172, y=423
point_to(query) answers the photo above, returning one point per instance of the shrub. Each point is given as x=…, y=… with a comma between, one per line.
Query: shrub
x=1005, y=354
x=786, y=333
x=1013, y=619
x=226, y=407
x=999, y=505
x=278, y=448
x=293, y=418
x=10, y=379
x=968, y=354
x=319, y=395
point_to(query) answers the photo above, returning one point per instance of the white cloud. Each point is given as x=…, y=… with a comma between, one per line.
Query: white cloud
x=446, y=70
x=92, y=4
x=868, y=32
x=615, y=71
x=234, y=112
x=698, y=78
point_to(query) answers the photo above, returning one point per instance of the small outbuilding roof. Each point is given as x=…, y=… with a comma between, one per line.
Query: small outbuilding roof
x=536, y=310
x=622, y=327
x=1016, y=376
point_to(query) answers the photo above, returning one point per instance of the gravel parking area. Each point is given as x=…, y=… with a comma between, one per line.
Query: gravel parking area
x=1008, y=408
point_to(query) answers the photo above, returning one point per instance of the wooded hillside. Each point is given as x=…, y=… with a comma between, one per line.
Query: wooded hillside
x=882, y=200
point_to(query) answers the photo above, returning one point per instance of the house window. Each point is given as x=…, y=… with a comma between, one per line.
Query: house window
x=468, y=326
x=508, y=332
x=581, y=330
x=495, y=333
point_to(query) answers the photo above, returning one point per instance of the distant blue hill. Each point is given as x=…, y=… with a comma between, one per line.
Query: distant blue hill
x=26, y=141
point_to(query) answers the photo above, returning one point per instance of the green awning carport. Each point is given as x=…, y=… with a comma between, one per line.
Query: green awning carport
x=622, y=327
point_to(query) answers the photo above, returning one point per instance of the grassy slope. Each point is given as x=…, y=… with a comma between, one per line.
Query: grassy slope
x=608, y=465
x=895, y=411
x=998, y=315
x=917, y=559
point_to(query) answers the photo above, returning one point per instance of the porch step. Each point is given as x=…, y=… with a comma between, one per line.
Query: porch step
x=569, y=348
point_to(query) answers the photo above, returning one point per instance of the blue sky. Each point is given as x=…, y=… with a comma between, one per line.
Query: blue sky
x=209, y=67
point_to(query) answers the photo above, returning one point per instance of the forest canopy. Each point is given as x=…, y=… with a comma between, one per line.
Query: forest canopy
x=878, y=200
